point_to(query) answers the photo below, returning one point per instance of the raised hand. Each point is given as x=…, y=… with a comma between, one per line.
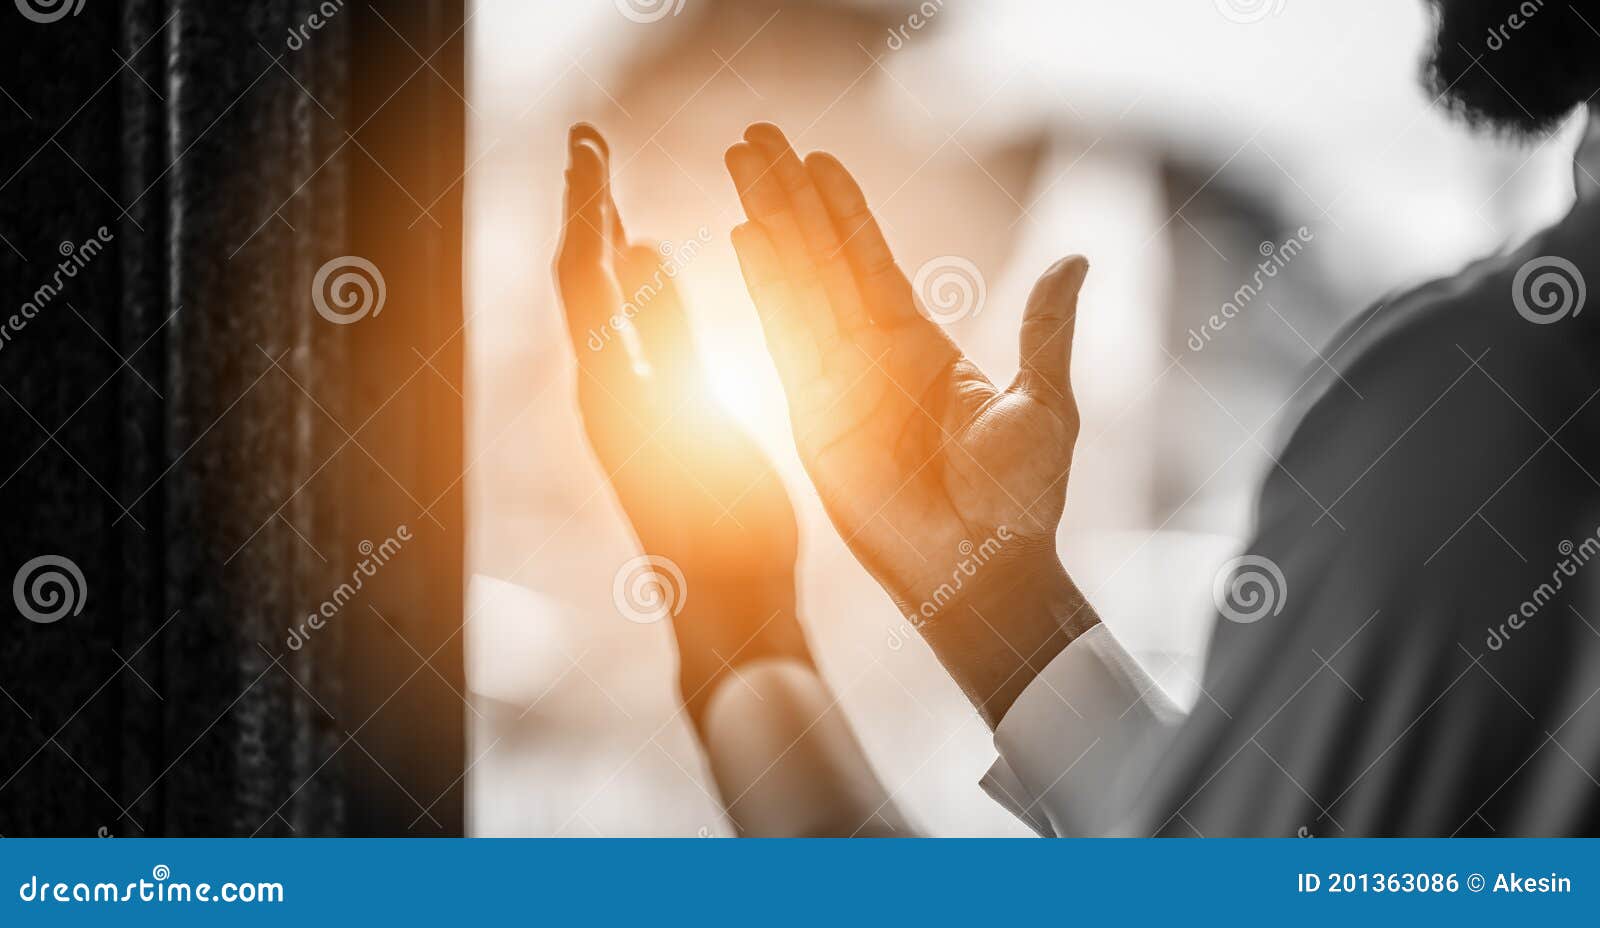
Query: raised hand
x=696, y=489
x=920, y=461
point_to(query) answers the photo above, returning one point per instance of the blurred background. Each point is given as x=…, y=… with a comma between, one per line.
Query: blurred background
x=1245, y=176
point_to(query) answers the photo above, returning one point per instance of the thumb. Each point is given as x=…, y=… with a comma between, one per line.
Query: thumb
x=1047, y=326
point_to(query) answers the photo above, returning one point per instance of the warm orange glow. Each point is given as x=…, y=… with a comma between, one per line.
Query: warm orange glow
x=733, y=355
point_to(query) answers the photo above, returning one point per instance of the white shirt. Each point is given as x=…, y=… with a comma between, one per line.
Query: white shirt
x=1078, y=743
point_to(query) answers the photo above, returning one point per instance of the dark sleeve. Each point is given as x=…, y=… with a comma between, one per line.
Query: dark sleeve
x=1425, y=660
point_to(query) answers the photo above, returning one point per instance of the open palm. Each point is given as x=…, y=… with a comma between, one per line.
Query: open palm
x=922, y=463
x=709, y=510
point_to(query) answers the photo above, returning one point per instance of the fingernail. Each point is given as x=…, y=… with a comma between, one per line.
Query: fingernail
x=1069, y=261
x=588, y=131
x=763, y=128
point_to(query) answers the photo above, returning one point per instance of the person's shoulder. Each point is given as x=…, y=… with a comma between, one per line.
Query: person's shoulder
x=1516, y=320
x=1440, y=391
x=1527, y=305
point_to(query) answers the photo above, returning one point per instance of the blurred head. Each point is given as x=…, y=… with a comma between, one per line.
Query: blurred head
x=1517, y=66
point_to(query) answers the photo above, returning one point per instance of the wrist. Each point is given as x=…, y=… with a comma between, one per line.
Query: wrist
x=723, y=628
x=995, y=640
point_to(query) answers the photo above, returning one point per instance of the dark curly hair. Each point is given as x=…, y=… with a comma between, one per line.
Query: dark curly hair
x=1515, y=66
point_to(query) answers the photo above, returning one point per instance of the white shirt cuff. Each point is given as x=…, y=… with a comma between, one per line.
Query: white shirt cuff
x=1076, y=745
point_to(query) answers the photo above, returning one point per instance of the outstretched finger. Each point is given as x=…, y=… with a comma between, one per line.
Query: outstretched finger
x=789, y=340
x=584, y=268
x=615, y=234
x=887, y=291
x=1048, y=325
x=817, y=228
x=767, y=205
